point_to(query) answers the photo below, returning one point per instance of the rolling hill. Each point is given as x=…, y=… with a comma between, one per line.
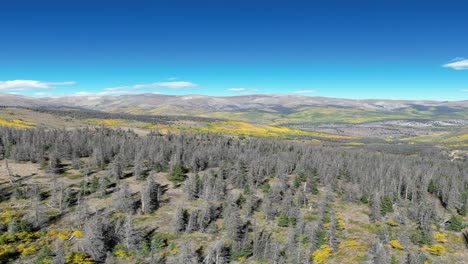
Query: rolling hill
x=384, y=119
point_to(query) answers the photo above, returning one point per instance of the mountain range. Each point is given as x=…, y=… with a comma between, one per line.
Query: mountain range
x=224, y=103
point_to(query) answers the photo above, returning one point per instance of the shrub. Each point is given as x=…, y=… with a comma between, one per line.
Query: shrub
x=364, y=199
x=391, y=222
x=25, y=250
x=437, y=249
x=420, y=238
x=396, y=245
x=440, y=237
x=78, y=258
x=240, y=255
x=322, y=254
x=283, y=220
x=386, y=205
x=455, y=224
x=44, y=257
x=265, y=187
x=322, y=237
x=6, y=251
x=159, y=241
x=120, y=252
x=77, y=233
x=177, y=174
x=341, y=224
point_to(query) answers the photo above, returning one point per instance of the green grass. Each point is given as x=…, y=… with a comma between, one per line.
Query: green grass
x=455, y=139
x=268, y=116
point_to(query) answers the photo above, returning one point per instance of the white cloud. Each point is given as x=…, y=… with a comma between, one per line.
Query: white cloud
x=22, y=85
x=174, y=85
x=457, y=64
x=305, y=91
x=242, y=90
x=41, y=94
x=83, y=93
x=108, y=91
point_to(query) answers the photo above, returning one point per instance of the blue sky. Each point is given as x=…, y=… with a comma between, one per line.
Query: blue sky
x=347, y=49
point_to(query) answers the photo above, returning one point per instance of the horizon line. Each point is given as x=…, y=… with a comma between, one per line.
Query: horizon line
x=228, y=96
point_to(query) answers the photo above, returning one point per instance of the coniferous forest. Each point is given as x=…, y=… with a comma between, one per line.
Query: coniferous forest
x=233, y=132
x=109, y=195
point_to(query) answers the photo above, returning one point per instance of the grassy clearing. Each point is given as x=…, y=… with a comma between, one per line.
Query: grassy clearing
x=242, y=128
x=459, y=138
x=109, y=122
x=236, y=128
x=268, y=116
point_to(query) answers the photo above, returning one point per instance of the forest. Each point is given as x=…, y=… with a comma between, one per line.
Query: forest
x=110, y=195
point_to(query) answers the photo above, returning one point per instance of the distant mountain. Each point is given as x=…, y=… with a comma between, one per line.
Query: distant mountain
x=260, y=108
x=234, y=103
x=422, y=121
x=24, y=101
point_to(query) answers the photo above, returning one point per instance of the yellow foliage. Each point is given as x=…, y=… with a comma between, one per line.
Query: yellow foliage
x=78, y=258
x=341, y=224
x=6, y=217
x=440, y=237
x=16, y=123
x=322, y=254
x=353, y=244
x=9, y=238
x=5, y=250
x=77, y=234
x=27, y=237
x=107, y=122
x=396, y=244
x=25, y=250
x=62, y=236
x=45, y=261
x=391, y=222
x=242, y=259
x=121, y=253
x=437, y=249
x=241, y=128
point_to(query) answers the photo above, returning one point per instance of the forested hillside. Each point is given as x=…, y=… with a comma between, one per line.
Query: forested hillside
x=107, y=195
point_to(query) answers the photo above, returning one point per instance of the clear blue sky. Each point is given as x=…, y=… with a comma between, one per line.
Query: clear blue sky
x=349, y=49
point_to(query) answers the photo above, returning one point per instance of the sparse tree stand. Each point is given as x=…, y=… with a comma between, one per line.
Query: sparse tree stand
x=214, y=195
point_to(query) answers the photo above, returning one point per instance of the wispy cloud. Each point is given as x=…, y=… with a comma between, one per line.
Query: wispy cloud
x=242, y=90
x=135, y=89
x=173, y=85
x=457, y=64
x=305, y=91
x=105, y=92
x=41, y=94
x=23, y=85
